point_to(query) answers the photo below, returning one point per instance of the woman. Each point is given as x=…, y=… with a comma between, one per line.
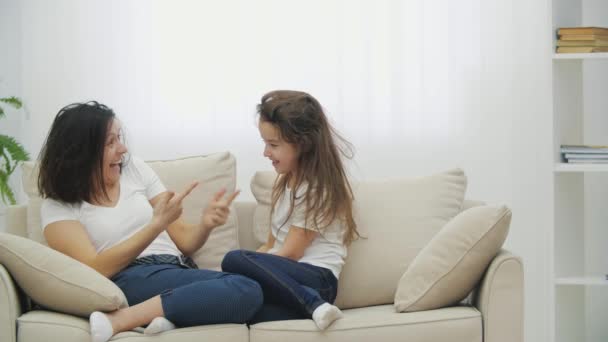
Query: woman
x=113, y=214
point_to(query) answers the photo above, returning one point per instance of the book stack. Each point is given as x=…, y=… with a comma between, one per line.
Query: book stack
x=582, y=39
x=585, y=154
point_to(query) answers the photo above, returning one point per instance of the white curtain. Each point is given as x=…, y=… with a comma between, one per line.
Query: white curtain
x=402, y=80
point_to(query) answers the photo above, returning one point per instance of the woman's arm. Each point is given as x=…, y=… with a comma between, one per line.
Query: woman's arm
x=296, y=242
x=71, y=238
x=190, y=237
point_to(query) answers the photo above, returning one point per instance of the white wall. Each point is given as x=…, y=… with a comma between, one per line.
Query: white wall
x=417, y=86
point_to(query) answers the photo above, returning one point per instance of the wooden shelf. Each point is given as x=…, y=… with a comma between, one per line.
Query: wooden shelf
x=565, y=167
x=594, y=55
x=581, y=281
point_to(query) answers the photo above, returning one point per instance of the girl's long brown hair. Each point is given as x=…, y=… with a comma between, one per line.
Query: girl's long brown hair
x=301, y=121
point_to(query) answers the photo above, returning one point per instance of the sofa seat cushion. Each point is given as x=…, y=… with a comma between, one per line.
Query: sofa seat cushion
x=380, y=323
x=50, y=326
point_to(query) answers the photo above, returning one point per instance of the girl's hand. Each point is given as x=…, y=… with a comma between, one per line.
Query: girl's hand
x=216, y=213
x=169, y=208
x=263, y=249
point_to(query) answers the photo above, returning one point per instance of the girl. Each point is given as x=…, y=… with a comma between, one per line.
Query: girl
x=311, y=216
x=113, y=214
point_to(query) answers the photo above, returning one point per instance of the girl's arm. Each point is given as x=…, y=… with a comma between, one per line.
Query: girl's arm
x=190, y=237
x=296, y=242
x=268, y=245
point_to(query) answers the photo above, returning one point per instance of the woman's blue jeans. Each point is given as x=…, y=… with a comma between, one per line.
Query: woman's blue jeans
x=291, y=289
x=192, y=296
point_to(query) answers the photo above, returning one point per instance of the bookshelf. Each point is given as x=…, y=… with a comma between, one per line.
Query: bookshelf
x=597, y=55
x=579, y=234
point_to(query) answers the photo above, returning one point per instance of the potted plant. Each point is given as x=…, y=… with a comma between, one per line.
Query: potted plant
x=11, y=154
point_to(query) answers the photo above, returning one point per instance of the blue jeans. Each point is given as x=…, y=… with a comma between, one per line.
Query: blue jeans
x=291, y=289
x=191, y=296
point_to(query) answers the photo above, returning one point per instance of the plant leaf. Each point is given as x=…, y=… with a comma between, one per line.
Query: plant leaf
x=7, y=195
x=15, y=149
x=13, y=101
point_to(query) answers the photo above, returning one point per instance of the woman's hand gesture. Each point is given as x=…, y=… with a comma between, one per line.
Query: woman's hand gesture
x=168, y=207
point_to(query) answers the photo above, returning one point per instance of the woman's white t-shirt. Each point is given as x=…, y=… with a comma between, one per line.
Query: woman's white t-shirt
x=108, y=226
x=326, y=250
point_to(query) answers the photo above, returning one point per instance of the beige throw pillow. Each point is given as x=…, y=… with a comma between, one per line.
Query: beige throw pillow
x=454, y=261
x=213, y=172
x=396, y=217
x=57, y=281
x=261, y=187
x=30, y=185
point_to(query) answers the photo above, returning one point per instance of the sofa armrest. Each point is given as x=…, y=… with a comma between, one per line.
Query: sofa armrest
x=244, y=212
x=500, y=299
x=16, y=220
x=10, y=307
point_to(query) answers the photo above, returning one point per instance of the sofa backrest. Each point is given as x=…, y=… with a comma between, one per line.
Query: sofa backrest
x=214, y=172
x=396, y=219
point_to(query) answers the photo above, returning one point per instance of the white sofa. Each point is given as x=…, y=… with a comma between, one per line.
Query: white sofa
x=494, y=312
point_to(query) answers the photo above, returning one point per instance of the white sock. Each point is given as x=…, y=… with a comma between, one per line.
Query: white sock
x=101, y=327
x=158, y=325
x=325, y=315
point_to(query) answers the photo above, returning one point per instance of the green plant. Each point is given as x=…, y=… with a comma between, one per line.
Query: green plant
x=11, y=154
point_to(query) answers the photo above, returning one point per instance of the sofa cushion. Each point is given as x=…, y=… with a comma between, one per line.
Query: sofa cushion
x=214, y=172
x=51, y=326
x=30, y=186
x=397, y=218
x=57, y=281
x=448, y=268
x=379, y=323
x=261, y=187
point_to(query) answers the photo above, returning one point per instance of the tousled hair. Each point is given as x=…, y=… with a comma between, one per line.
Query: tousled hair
x=71, y=159
x=301, y=121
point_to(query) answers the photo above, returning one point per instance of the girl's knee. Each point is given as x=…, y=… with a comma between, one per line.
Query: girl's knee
x=232, y=260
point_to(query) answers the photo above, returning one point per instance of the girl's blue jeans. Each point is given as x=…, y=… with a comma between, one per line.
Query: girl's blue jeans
x=292, y=290
x=192, y=296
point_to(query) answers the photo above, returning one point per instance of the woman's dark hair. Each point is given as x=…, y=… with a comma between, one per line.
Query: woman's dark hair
x=71, y=160
x=301, y=121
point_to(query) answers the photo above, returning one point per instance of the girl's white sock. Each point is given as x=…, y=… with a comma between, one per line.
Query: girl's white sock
x=326, y=314
x=158, y=325
x=101, y=327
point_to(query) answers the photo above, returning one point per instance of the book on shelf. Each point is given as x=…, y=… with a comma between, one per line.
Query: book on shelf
x=582, y=30
x=585, y=37
x=585, y=149
x=581, y=49
x=589, y=43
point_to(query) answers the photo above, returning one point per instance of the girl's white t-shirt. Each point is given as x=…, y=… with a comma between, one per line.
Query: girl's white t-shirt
x=108, y=226
x=326, y=250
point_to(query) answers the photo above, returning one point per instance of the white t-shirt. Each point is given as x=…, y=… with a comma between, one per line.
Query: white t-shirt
x=109, y=226
x=326, y=250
